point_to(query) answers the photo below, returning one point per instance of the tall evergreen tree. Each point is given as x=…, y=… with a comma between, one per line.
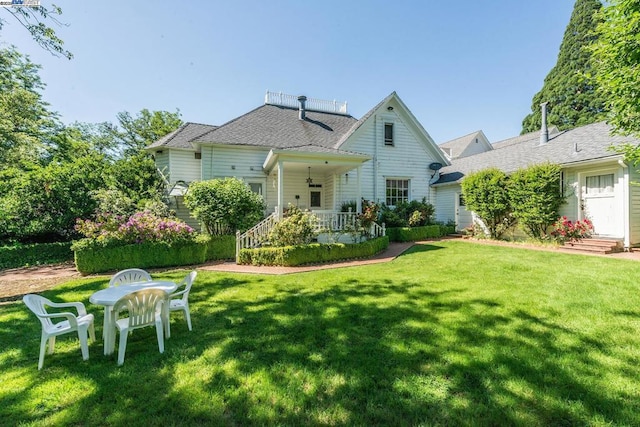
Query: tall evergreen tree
x=570, y=92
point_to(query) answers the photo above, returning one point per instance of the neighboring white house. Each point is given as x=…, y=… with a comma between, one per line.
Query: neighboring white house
x=307, y=152
x=596, y=180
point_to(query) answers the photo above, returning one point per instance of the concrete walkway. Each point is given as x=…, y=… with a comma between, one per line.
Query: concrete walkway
x=389, y=254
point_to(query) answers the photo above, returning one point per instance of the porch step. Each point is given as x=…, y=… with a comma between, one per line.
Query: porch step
x=601, y=246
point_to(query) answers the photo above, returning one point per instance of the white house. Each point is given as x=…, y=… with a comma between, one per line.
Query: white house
x=307, y=152
x=596, y=179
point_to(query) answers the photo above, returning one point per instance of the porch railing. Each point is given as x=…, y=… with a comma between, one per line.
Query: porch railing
x=256, y=235
x=325, y=221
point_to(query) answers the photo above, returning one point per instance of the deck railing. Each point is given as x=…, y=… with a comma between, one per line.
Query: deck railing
x=312, y=104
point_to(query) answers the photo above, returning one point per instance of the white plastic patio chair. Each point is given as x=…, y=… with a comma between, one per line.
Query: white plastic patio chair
x=146, y=307
x=179, y=301
x=82, y=323
x=131, y=275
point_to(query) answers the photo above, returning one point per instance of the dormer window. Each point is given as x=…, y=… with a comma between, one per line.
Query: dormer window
x=388, y=134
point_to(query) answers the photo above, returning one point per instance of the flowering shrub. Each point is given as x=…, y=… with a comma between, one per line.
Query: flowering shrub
x=296, y=228
x=369, y=215
x=138, y=228
x=565, y=229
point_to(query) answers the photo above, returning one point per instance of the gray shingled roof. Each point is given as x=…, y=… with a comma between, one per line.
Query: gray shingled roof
x=182, y=137
x=456, y=146
x=275, y=126
x=590, y=142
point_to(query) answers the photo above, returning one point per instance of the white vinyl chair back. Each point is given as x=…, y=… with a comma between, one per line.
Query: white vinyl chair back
x=146, y=307
x=131, y=275
x=82, y=323
x=179, y=301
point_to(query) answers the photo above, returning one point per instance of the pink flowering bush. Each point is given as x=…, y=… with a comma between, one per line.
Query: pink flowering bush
x=565, y=229
x=141, y=227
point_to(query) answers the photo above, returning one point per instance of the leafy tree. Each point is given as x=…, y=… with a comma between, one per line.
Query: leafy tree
x=485, y=194
x=228, y=201
x=42, y=204
x=617, y=58
x=569, y=89
x=25, y=120
x=135, y=133
x=536, y=198
x=31, y=19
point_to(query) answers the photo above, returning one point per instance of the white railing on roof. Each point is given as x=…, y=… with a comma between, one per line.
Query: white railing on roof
x=312, y=104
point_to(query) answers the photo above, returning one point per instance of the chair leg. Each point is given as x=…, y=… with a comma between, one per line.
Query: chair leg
x=124, y=333
x=187, y=314
x=43, y=346
x=92, y=332
x=160, y=334
x=52, y=344
x=166, y=315
x=84, y=347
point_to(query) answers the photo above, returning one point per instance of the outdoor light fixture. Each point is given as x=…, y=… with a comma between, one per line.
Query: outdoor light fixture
x=309, y=180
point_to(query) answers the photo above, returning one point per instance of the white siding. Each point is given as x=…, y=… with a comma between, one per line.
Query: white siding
x=184, y=166
x=634, y=206
x=162, y=163
x=184, y=214
x=408, y=158
x=445, y=202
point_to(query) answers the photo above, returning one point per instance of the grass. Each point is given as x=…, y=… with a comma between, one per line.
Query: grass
x=450, y=333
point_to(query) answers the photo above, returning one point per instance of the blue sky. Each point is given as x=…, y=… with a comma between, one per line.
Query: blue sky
x=459, y=66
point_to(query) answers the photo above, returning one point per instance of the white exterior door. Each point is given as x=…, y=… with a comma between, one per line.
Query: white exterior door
x=601, y=203
x=463, y=218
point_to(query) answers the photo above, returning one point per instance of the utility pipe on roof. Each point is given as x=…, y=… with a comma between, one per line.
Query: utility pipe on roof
x=544, y=131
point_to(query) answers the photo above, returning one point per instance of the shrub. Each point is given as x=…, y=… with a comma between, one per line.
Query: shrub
x=221, y=247
x=138, y=228
x=415, y=213
x=311, y=253
x=485, y=193
x=228, y=201
x=92, y=256
x=295, y=229
x=412, y=234
x=564, y=229
x=536, y=196
x=34, y=254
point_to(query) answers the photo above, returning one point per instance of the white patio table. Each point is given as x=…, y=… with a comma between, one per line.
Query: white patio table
x=109, y=296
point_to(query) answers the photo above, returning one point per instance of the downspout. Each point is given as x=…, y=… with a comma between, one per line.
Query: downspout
x=625, y=201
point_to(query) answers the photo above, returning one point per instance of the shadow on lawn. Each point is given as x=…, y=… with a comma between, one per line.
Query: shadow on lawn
x=375, y=352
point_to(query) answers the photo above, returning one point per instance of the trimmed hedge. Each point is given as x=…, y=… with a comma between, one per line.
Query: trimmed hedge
x=291, y=256
x=35, y=254
x=412, y=234
x=142, y=255
x=221, y=247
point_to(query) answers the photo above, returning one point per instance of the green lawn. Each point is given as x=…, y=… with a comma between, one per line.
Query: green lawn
x=449, y=333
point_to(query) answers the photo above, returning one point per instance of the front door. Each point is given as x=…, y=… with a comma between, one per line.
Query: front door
x=463, y=216
x=600, y=205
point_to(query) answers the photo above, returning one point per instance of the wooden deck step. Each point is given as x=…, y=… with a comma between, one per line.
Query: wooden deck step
x=602, y=246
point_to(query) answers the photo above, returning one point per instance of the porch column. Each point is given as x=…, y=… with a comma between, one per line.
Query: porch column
x=280, y=189
x=359, y=198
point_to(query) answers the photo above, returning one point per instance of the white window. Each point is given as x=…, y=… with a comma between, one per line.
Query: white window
x=388, y=134
x=397, y=191
x=256, y=187
x=599, y=184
